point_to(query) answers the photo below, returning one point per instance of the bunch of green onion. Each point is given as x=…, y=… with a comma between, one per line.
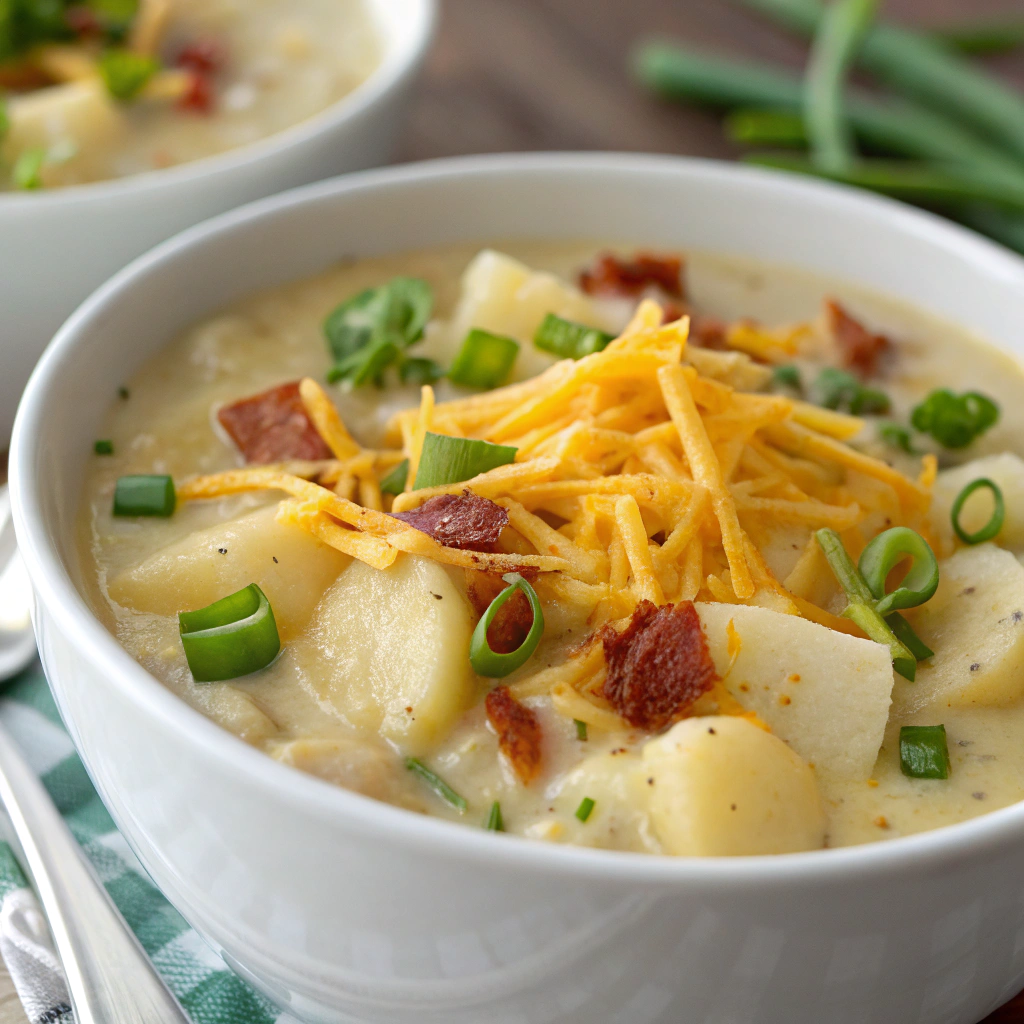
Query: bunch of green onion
x=956, y=131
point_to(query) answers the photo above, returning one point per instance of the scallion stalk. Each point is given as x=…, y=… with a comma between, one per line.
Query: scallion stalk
x=437, y=784
x=484, y=361
x=495, y=823
x=883, y=553
x=581, y=730
x=394, y=482
x=924, y=751
x=991, y=529
x=144, y=495
x=569, y=340
x=450, y=460
x=585, y=808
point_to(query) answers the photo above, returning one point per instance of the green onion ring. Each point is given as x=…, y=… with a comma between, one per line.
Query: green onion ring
x=489, y=663
x=232, y=637
x=885, y=552
x=993, y=526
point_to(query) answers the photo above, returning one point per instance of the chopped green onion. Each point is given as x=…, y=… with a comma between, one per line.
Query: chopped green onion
x=450, y=460
x=419, y=371
x=5, y=118
x=788, y=376
x=125, y=73
x=766, y=128
x=883, y=553
x=993, y=526
x=839, y=387
x=484, y=361
x=489, y=663
x=581, y=729
x=369, y=333
x=28, y=168
x=869, y=402
x=103, y=447
x=955, y=420
x=897, y=436
x=569, y=340
x=144, y=496
x=924, y=752
x=494, y=819
x=394, y=482
x=836, y=41
x=437, y=784
x=232, y=637
x=584, y=809
x=861, y=607
x=905, y=634
x=982, y=37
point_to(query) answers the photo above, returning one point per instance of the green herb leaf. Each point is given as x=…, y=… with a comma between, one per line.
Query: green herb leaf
x=27, y=171
x=494, y=819
x=126, y=73
x=569, y=340
x=924, y=752
x=584, y=809
x=419, y=371
x=369, y=332
x=437, y=784
x=394, y=482
x=484, y=361
x=232, y=637
x=955, y=420
x=450, y=460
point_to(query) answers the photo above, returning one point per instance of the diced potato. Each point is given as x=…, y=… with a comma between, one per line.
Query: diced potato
x=825, y=693
x=342, y=761
x=237, y=712
x=724, y=787
x=1006, y=471
x=975, y=626
x=76, y=123
x=502, y=295
x=390, y=650
x=620, y=819
x=292, y=567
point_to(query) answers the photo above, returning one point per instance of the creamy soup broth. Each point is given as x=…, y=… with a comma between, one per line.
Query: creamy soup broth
x=165, y=423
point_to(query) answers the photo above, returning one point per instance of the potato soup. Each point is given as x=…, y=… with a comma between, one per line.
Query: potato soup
x=632, y=550
x=102, y=89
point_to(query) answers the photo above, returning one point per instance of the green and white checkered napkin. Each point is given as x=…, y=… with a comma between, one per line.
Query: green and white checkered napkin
x=198, y=977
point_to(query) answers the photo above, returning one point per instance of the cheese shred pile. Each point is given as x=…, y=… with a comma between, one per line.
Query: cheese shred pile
x=641, y=473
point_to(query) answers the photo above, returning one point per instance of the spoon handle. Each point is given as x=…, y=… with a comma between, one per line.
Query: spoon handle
x=110, y=978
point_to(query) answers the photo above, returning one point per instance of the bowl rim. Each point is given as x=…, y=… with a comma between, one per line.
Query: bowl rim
x=940, y=848
x=394, y=70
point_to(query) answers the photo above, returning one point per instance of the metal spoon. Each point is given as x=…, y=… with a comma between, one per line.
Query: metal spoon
x=17, y=644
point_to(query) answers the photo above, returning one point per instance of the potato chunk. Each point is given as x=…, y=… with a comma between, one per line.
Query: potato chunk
x=724, y=787
x=292, y=567
x=502, y=295
x=1006, y=471
x=390, y=650
x=343, y=761
x=975, y=626
x=825, y=693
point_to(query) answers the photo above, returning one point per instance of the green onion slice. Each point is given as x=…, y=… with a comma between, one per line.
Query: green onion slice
x=884, y=553
x=569, y=340
x=437, y=784
x=394, y=482
x=904, y=632
x=103, y=447
x=955, y=420
x=924, y=753
x=484, y=361
x=489, y=663
x=993, y=526
x=494, y=819
x=144, y=496
x=232, y=637
x=581, y=729
x=450, y=460
x=584, y=809
x=125, y=73
x=788, y=376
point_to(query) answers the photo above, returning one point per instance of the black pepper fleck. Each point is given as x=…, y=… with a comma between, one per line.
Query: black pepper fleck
x=967, y=590
x=711, y=730
x=223, y=551
x=438, y=596
x=732, y=807
x=274, y=557
x=975, y=666
x=650, y=782
x=978, y=796
x=1017, y=616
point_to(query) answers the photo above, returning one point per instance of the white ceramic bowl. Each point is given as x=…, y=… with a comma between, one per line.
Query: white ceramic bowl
x=343, y=909
x=57, y=246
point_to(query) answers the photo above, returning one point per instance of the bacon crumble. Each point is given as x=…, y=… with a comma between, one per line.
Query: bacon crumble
x=658, y=665
x=273, y=426
x=464, y=521
x=611, y=275
x=519, y=733
x=861, y=349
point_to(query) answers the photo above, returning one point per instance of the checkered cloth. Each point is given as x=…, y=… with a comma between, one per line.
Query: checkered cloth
x=210, y=993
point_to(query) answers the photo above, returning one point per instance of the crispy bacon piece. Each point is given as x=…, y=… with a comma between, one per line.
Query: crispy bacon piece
x=199, y=97
x=708, y=332
x=273, y=426
x=519, y=732
x=658, y=665
x=611, y=275
x=860, y=348
x=206, y=55
x=464, y=521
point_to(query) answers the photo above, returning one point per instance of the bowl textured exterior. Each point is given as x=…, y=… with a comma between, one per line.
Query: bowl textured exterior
x=343, y=909
x=56, y=247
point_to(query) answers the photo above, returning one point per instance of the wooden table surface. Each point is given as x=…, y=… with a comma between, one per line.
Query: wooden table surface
x=507, y=75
